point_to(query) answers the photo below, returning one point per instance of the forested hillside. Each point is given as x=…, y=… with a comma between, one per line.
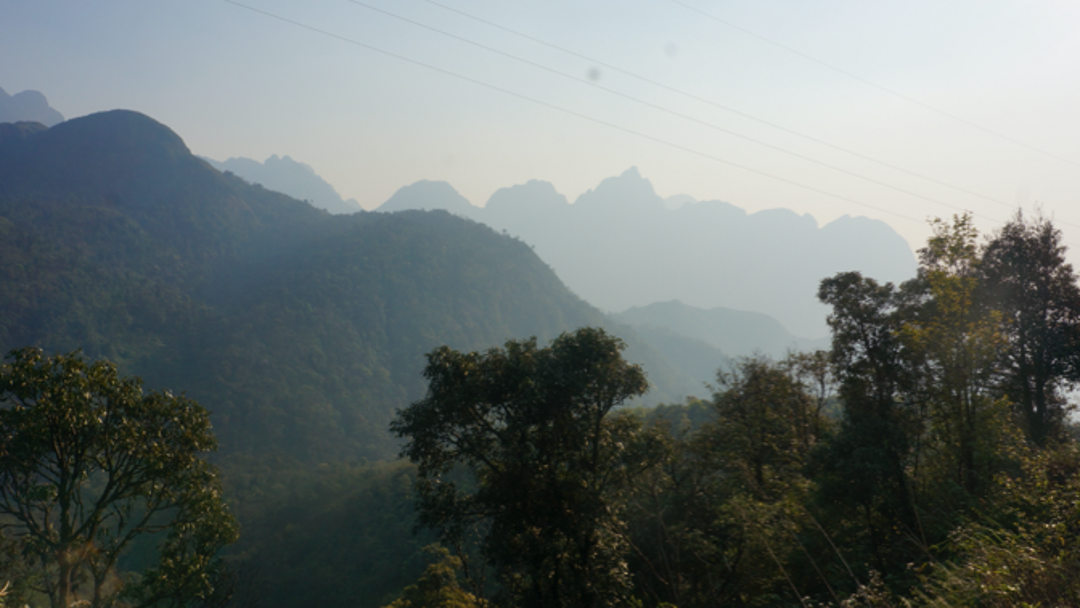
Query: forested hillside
x=927, y=458
x=302, y=332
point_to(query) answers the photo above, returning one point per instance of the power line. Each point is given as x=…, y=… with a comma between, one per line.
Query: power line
x=658, y=107
x=716, y=105
x=574, y=113
x=596, y=120
x=700, y=99
x=875, y=85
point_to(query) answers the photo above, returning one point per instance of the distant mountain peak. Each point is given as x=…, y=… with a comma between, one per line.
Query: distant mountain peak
x=283, y=174
x=426, y=194
x=534, y=196
x=286, y=161
x=627, y=191
x=30, y=106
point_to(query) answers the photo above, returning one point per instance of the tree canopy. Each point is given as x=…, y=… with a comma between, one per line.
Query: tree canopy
x=91, y=465
x=530, y=426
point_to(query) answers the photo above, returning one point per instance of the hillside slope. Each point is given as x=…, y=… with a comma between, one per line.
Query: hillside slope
x=303, y=332
x=285, y=175
x=736, y=333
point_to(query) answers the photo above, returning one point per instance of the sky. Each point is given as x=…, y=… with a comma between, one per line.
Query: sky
x=898, y=111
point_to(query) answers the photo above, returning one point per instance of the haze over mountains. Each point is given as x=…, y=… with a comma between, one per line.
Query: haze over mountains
x=734, y=332
x=304, y=331
x=27, y=106
x=620, y=246
x=300, y=330
x=288, y=176
x=199, y=256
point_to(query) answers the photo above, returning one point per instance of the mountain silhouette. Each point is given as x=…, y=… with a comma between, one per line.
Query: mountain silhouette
x=736, y=333
x=621, y=245
x=303, y=332
x=427, y=195
x=27, y=106
x=288, y=176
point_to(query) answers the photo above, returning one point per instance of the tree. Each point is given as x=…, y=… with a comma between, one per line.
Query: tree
x=862, y=471
x=91, y=465
x=717, y=522
x=766, y=424
x=953, y=344
x=438, y=586
x=531, y=428
x=924, y=432
x=1026, y=278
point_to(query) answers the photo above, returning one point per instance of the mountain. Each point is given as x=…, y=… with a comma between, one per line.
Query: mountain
x=736, y=333
x=621, y=245
x=301, y=331
x=288, y=176
x=425, y=195
x=698, y=358
x=27, y=106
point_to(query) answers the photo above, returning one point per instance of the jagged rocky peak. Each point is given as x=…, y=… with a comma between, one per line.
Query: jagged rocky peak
x=629, y=191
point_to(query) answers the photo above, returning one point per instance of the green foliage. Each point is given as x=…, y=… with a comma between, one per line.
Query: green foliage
x=927, y=459
x=681, y=417
x=331, y=534
x=1030, y=556
x=438, y=587
x=952, y=344
x=928, y=372
x=766, y=425
x=91, y=463
x=717, y=520
x=1025, y=277
x=531, y=426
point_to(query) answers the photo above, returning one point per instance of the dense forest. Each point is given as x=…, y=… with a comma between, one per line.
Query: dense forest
x=299, y=331
x=410, y=409
x=927, y=459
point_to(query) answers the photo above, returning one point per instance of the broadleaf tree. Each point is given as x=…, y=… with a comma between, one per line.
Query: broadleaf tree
x=90, y=465
x=531, y=428
x=1026, y=278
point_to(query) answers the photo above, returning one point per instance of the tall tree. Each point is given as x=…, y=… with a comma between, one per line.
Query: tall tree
x=89, y=464
x=951, y=345
x=1026, y=278
x=862, y=471
x=531, y=427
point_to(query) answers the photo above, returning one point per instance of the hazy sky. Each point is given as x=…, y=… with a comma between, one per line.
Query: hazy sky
x=374, y=101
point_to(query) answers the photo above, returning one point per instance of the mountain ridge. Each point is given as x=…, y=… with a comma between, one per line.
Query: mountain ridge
x=290, y=177
x=620, y=246
x=300, y=330
x=28, y=106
